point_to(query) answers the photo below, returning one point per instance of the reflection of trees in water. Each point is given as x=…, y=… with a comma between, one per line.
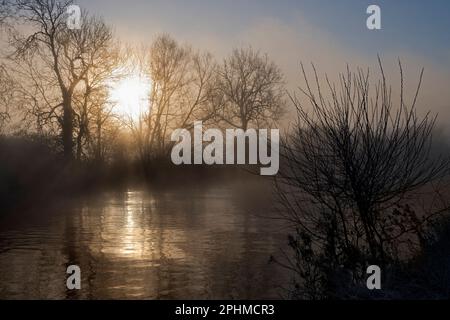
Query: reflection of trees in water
x=178, y=244
x=166, y=249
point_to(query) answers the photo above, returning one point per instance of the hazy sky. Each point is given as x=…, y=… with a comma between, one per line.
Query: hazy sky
x=329, y=33
x=420, y=26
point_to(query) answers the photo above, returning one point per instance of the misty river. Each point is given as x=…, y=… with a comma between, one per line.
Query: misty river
x=187, y=243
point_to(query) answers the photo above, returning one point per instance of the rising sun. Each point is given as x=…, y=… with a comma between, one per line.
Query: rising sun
x=130, y=95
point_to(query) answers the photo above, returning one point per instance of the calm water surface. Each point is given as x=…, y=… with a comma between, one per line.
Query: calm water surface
x=212, y=243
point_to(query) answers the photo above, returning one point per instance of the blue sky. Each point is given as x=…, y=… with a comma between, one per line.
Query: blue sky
x=419, y=26
x=330, y=33
x=422, y=27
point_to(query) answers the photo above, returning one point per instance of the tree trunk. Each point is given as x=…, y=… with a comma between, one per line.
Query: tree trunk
x=67, y=128
x=79, y=145
x=98, y=149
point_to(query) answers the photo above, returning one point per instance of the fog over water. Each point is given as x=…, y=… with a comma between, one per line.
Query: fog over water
x=201, y=243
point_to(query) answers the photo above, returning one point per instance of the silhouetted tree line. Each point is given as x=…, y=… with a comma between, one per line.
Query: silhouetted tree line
x=56, y=85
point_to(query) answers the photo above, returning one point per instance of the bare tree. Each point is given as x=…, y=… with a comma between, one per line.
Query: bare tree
x=7, y=96
x=250, y=89
x=92, y=108
x=354, y=169
x=55, y=61
x=181, y=89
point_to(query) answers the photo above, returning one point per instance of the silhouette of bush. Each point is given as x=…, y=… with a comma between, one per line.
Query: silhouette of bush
x=356, y=170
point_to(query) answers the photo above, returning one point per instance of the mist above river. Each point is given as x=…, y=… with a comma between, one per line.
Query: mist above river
x=186, y=243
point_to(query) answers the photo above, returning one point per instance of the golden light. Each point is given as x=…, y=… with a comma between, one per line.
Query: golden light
x=130, y=95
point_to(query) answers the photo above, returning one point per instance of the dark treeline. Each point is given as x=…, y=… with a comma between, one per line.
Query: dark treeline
x=56, y=105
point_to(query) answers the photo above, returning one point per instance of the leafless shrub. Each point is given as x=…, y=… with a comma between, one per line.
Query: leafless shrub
x=353, y=171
